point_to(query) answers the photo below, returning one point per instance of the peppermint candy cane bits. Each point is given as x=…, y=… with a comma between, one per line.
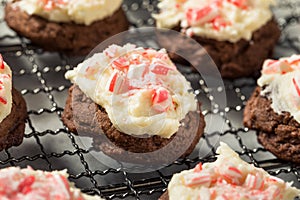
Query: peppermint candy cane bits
x=13, y=111
x=238, y=34
x=274, y=108
x=19, y=184
x=229, y=177
x=136, y=98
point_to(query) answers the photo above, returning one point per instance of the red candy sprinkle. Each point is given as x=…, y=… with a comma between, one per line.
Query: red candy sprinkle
x=25, y=186
x=113, y=82
x=161, y=69
x=197, y=179
x=239, y=3
x=295, y=61
x=200, y=15
x=121, y=64
x=51, y=4
x=235, y=170
x=276, y=66
x=219, y=22
x=198, y=168
x=296, y=84
x=2, y=100
x=1, y=62
x=159, y=96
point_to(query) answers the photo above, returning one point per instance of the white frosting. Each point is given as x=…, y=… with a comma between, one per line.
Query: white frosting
x=78, y=11
x=28, y=184
x=229, y=177
x=222, y=20
x=141, y=90
x=5, y=90
x=281, y=79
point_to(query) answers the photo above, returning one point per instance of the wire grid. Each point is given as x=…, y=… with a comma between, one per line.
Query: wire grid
x=48, y=145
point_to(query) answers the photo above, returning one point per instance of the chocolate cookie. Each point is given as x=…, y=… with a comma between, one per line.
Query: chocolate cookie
x=278, y=133
x=82, y=115
x=69, y=38
x=13, y=126
x=239, y=59
x=164, y=196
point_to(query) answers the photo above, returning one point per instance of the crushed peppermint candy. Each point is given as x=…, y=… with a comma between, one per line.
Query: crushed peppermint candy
x=229, y=177
x=49, y=5
x=280, y=82
x=17, y=184
x=222, y=20
x=142, y=84
x=139, y=70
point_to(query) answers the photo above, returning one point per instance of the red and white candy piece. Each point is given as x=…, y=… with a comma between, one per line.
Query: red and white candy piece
x=294, y=61
x=118, y=83
x=296, y=83
x=51, y=4
x=161, y=99
x=1, y=62
x=198, y=167
x=25, y=185
x=121, y=64
x=254, y=181
x=276, y=67
x=198, y=16
x=3, y=100
x=219, y=23
x=197, y=179
x=160, y=68
x=243, y=4
x=232, y=175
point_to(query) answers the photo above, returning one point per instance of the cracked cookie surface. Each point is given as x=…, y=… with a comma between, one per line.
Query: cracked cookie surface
x=278, y=133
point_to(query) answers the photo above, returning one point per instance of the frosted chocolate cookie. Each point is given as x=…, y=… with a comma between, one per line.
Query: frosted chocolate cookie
x=13, y=112
x=137, y=99
x=73, y=27
x=17, y=183
x=274, y=108
x=228, y=177
x=238, y=35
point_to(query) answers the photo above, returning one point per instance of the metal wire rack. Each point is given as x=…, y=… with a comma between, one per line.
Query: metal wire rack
x=48, y=145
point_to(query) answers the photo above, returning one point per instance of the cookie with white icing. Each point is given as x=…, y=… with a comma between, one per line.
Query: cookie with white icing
x=229, y=177
x=138, y=99
x=274, y=108
x=13, y=111
x=17, y=183
x=70, y=26
x=238, y=34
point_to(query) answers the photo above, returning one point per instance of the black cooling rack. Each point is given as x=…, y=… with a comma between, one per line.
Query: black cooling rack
x=48, y=145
